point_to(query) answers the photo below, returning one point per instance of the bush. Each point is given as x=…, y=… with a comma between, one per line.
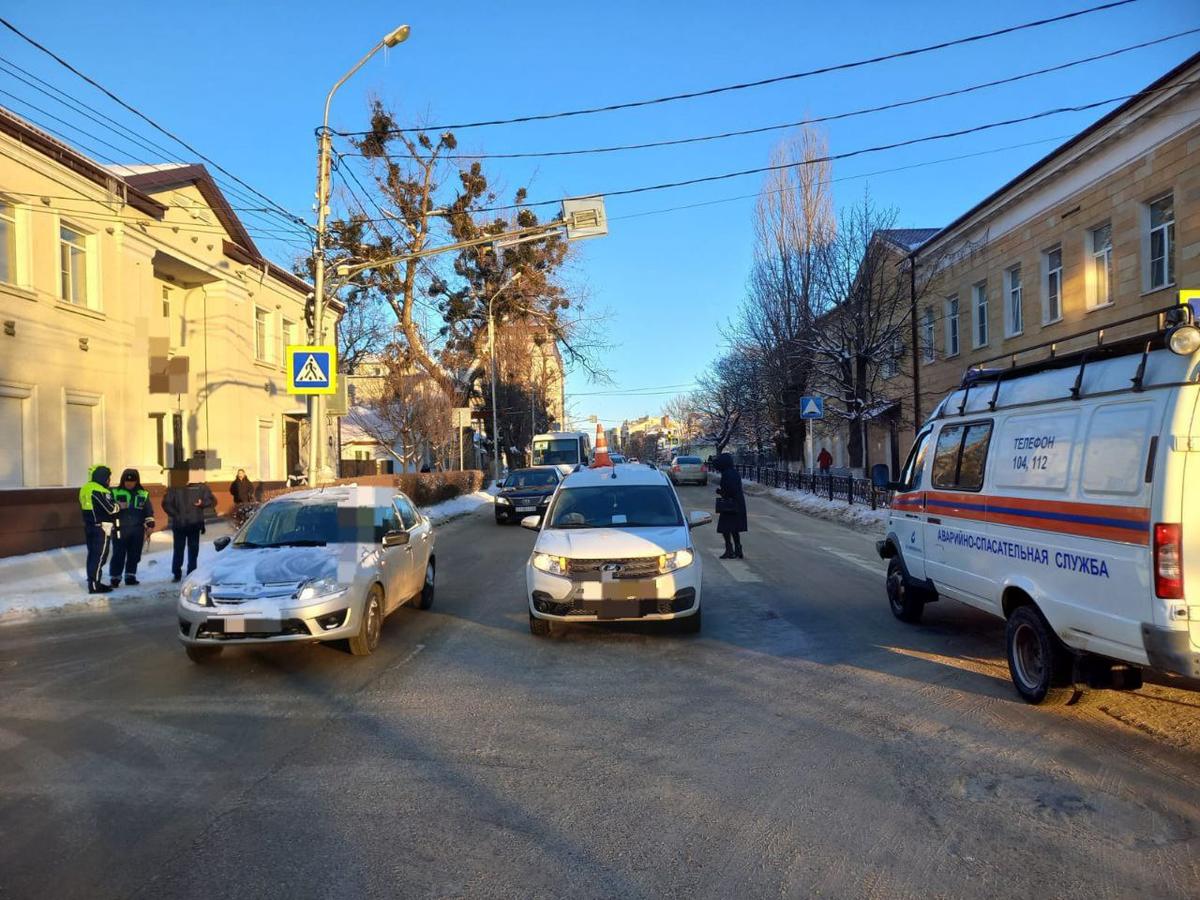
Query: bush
x=424, y=488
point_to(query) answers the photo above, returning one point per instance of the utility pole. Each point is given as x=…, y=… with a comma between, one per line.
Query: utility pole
x=916, y=362
x=318, y=471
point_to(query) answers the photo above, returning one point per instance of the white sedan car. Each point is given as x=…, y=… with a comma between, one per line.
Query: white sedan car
x=321, y=565
x=614, y=547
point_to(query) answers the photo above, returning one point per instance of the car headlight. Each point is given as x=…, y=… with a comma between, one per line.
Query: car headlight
x=555, y=565
x=321, y=587
x=503, y=501
x=195, y=592
x=669, y=562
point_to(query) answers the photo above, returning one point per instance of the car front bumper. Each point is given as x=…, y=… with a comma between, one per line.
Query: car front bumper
x=268, y=621
x=675, y=595
x=510, y=510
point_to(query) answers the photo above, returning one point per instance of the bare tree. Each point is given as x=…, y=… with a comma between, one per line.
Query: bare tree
x=408, y=415
x=720, y=400
x=682, y=410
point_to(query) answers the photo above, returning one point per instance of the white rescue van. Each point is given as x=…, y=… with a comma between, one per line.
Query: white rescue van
x=1063, y=495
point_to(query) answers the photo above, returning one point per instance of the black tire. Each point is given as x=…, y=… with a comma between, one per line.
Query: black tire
x=367, y=639
x=201, y=655
x=907, y=604
x=425, y=598
x=539, y=627
x=690, y=624
x=501, y=519
x=1039, y=664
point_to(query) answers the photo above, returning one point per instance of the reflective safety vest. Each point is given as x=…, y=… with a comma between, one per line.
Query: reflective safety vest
x=86, y=492
x=135, y=499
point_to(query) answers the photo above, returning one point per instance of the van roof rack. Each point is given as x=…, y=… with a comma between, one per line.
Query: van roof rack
x=987, y=370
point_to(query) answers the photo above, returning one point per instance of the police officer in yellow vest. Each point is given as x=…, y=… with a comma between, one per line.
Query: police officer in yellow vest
x=99, y=512
x=135, y=520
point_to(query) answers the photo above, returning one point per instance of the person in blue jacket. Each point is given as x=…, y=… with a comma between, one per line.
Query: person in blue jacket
x=135, y=520
x=99, y=513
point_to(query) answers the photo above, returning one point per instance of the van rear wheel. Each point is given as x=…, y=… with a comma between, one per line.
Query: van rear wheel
x=1038, y=662
x=906, y=603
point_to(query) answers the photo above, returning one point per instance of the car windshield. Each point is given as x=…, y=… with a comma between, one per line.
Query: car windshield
x=616, y=506
x=555, y=452
x=305, y=524
x=531, y=478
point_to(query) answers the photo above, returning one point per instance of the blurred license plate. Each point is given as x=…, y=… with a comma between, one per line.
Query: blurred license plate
x=526, y=508
x=241, y=625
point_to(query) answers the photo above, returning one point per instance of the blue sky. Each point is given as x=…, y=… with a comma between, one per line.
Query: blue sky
x=244, y=83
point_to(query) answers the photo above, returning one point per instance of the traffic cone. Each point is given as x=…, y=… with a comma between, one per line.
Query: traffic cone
x=600, y=458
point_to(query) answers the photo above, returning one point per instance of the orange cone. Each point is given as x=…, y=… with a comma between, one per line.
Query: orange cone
x=600, y=457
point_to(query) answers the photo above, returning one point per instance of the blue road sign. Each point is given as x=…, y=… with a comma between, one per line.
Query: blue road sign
x=312, y=370
x=812, y=407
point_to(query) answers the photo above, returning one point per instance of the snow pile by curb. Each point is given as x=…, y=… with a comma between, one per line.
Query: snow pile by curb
x=857, y=516
x=51, y=582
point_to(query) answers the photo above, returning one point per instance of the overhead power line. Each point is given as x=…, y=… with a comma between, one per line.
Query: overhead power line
x=708, y=92
x=832, y=117
x=62, y=62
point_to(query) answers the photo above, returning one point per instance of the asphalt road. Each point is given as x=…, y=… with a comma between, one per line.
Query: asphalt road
x=805, y=744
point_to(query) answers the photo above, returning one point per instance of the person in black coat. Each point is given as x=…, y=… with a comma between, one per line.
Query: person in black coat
x=135, y=520
x=733, y=523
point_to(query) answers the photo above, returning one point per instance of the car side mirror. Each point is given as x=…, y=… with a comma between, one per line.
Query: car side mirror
x=395, y=539
x=698, y=517
x=881, y=476
x=221, y=543
x=533, y=523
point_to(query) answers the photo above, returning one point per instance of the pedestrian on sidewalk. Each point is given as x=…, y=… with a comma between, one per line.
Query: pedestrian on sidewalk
x=135, y=520
x=824, y=460
x=185, y=503
x=242, y=491
x=731, y=507
x=99, y=512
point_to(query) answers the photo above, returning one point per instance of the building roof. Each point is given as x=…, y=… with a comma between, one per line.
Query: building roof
x=908, y=239
x=1058, y=152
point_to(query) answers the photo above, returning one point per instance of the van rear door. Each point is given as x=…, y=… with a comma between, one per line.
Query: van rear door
x=1190, y=518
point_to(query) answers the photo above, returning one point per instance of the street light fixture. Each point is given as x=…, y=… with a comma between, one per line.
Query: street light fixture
x=318, y=469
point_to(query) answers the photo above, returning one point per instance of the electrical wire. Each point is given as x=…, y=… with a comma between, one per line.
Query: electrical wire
x=708, y=92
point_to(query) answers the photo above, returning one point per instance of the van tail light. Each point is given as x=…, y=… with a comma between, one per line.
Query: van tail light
x=1168, y=561
x=674, y=468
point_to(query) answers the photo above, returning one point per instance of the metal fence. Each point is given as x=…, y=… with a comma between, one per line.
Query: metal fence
x=833, y=487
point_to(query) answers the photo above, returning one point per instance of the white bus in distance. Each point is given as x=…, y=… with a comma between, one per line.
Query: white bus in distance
x=565, y=449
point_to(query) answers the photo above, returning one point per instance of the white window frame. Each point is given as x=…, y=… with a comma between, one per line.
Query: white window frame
x=265, y=355
x=266, y=427
x=27, y=394
x=284, y=324
x=953, y=326
x=1014, y=302
x=1167, y=229
x=1094, y=257
x=1052, y=284
x=979, y=323
x=929, y=335
x=96, y=402
x=13, y=250
x=167, y=300
x=69, y=294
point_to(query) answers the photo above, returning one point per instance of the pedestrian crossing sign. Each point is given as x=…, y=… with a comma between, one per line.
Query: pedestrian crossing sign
x=812, y=407
x=311, y=370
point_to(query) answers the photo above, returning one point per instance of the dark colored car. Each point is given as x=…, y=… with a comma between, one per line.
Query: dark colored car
x=526, y=492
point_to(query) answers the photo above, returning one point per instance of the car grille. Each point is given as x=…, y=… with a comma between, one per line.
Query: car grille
x=637, y=567
x=226, y=594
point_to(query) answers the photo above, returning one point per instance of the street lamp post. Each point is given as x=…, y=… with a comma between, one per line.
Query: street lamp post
x=492, y=352
x=318, y=470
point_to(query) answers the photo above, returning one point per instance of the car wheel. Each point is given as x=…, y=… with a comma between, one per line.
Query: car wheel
x=905, y=602
x=501, y=519
x=367, y=639
x=689, y=625
x=201, y=655
x=1038, y=662
x=539, y=627
x=425, y=598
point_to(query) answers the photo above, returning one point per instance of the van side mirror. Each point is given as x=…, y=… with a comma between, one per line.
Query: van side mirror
x=881, y=476
x=221, y=543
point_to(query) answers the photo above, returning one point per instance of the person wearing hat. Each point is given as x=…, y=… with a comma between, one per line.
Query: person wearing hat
x=99, y=513
x=135, y=519
x=185, y=503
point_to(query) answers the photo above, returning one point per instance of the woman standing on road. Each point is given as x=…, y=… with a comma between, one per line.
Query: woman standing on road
x=731, y=507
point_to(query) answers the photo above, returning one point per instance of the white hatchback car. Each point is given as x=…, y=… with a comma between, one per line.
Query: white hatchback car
x=319, y=565
x=614, y=547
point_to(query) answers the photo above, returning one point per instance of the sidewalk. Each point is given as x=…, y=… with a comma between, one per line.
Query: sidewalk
x=858, y=516
x=52, y=582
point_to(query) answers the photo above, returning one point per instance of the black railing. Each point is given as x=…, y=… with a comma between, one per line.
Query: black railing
x=832, y=487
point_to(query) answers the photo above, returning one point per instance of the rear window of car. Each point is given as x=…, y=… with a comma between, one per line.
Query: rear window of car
x=616, y=506
x=688, y=460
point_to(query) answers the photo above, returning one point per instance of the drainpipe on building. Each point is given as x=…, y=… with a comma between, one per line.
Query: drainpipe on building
x=916, y=362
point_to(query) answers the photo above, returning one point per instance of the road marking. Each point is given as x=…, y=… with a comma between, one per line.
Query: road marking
x=851, y=558
x=415, y=650
x=739, y=571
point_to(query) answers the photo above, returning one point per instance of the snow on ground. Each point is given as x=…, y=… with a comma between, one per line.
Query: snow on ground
x=52, y=582
x=858, y=516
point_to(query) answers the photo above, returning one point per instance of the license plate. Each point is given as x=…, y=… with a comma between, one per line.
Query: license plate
x=526, y=508
x=242, y=625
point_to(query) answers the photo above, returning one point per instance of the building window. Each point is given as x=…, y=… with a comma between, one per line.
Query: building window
x=952, y=327
x=8, y=243
x=82, y=427
x=980, y=304
x=17, y=449
x=929, y=352
x=1014, y=315
x=892, y=355
x=287, y=338
x=1052, y=306
x=1162, y=243
x=262, y=337
x=1100, y=280
x=73, y=253
x=166, y=302
x=158, y=430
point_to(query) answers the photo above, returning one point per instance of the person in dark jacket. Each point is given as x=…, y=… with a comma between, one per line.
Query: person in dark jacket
x=824, y=460
x=241, y=489
x=733, y=523
x=135, y=519
x=185, y=503
x=99, y=513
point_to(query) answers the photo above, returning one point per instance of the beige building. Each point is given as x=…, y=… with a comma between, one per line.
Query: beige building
x=141, y=325
x=1104, y=228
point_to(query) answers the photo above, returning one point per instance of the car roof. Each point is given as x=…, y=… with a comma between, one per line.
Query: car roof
x=621, y=473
